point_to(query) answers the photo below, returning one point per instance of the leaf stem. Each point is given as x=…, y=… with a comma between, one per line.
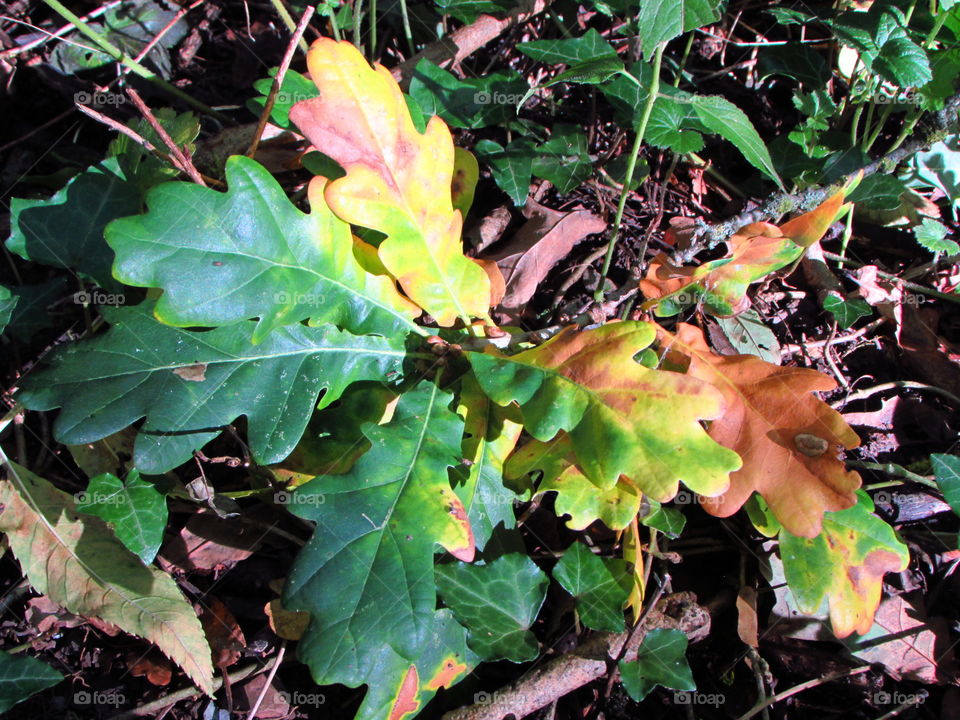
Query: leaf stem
x=896, y=471
x=631, y=166
x=117, y=54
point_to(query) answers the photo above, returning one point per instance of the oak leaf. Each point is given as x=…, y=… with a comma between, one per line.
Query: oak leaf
x=398, y=181
x=788, y=438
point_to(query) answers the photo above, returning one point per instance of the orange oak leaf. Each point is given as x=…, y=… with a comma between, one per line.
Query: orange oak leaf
x=398, y=181
x=788, y=438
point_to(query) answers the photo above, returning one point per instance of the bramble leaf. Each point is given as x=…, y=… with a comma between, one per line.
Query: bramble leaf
x=845, y=565
x=250, y=253
x=497, y=602
x=662, y=20
x=134, y=508
x=189, y=385
x=22, y=676
x=366, y=576
x=80, y=564
x=398, y=180
x=788, y=438
x=600, y=586
x=621, y=417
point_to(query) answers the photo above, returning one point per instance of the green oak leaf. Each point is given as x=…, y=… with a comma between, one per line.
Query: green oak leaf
x=250, y=253
x=661, y=660
x=189, y=385
x=366, y=575
x=66, y=229
x=600, y=585
x=31, y=313
x=497, y=603
x=491, y=433
x=134, y=508
x=660, y=21
x=946, y=470
x=22, y=676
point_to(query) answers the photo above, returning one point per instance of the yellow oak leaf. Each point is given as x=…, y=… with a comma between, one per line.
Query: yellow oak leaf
x=398, y=181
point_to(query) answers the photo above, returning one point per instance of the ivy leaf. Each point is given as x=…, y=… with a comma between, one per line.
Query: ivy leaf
x=468, y=103
x=660, y=21
x=66, y=229
x=497, y=603
x=22, y=676
x=727, y=120
x=621, y=417
x=670, y=521
x=397, y=183
x=932, y=235
x=251, y=253
x=376, y=534
x=789, y=438
x=563, y=159
x=946, y=470
x=845, y=565
x=511, y=167
x=491, y=433
x=661, y=660
x=878, y=192
x=600, y=586
x=81, y=565
x=189, y=385
x=134, y=508
x=846, y=312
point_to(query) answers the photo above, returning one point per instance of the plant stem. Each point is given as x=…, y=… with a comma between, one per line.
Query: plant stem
x=373, y=30
x=408, y=33
x=896, y=471
x=288, y=21
x=357, y=13
x=935, y=30
x=631, y=166
x=683, y=60
x=135, y=67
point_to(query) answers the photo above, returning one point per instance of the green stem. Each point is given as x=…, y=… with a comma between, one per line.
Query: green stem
x=128, y=62
x=876, y=131
x=905, y=132
x=408, y=33
x=854, y=124
x=631, y=166
x=683, y=61
x=935, y=30
x=847, y=234
x=896, y=471
x=373, y=30
x=288, y=21
x=357, y=13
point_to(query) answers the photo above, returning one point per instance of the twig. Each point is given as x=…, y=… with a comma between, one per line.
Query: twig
x=828, y=356
x=896, y=471
x=782, y=203
x=951, y=297
x=266, y=685
x=165, y=29
x=788, y=350
x=93, y=14
x=909, y=384
x=278, y=79
x=130, y=133
x=288, y=21
x=637, y=626
x=588, y=662
x=183, y=161
x=790, y=692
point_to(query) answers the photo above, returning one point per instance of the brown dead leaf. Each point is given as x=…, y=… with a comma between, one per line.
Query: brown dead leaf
x=274, y=705
x=223, y=633
x=747, y=616
x=925, y=353
x=882, y=418
x=531, y=254
x=153, y=666
x=874, y=289
x=207, y=542
x=287, y=624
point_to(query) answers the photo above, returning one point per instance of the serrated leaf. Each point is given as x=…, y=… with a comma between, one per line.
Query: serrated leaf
x=250, y=253
x=599, y=585
x=661, y=660
x=614, y=410
x=664, y=128
x=134, y=508
x=932, y=235
x=66, y=229
x=80, y=564
x=878, y=192
x=377, y=528
x=845, y=565
x=946, y=470
x=789, y=438
x=142, y=167
x=497, y=603
x=660, y=21
x=22, y=676
x=749, y=335
x=727, y=120
x=589, y=46
x=880, y=35
x=491, y=433
x=397, y=183
x=189, y=385
x=846, y=312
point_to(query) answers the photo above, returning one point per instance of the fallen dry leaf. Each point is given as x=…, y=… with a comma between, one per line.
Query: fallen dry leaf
x=223, y=633
x=208, y=541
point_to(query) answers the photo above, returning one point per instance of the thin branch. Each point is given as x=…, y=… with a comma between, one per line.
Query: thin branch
x=183, y=160
x=278, y=79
